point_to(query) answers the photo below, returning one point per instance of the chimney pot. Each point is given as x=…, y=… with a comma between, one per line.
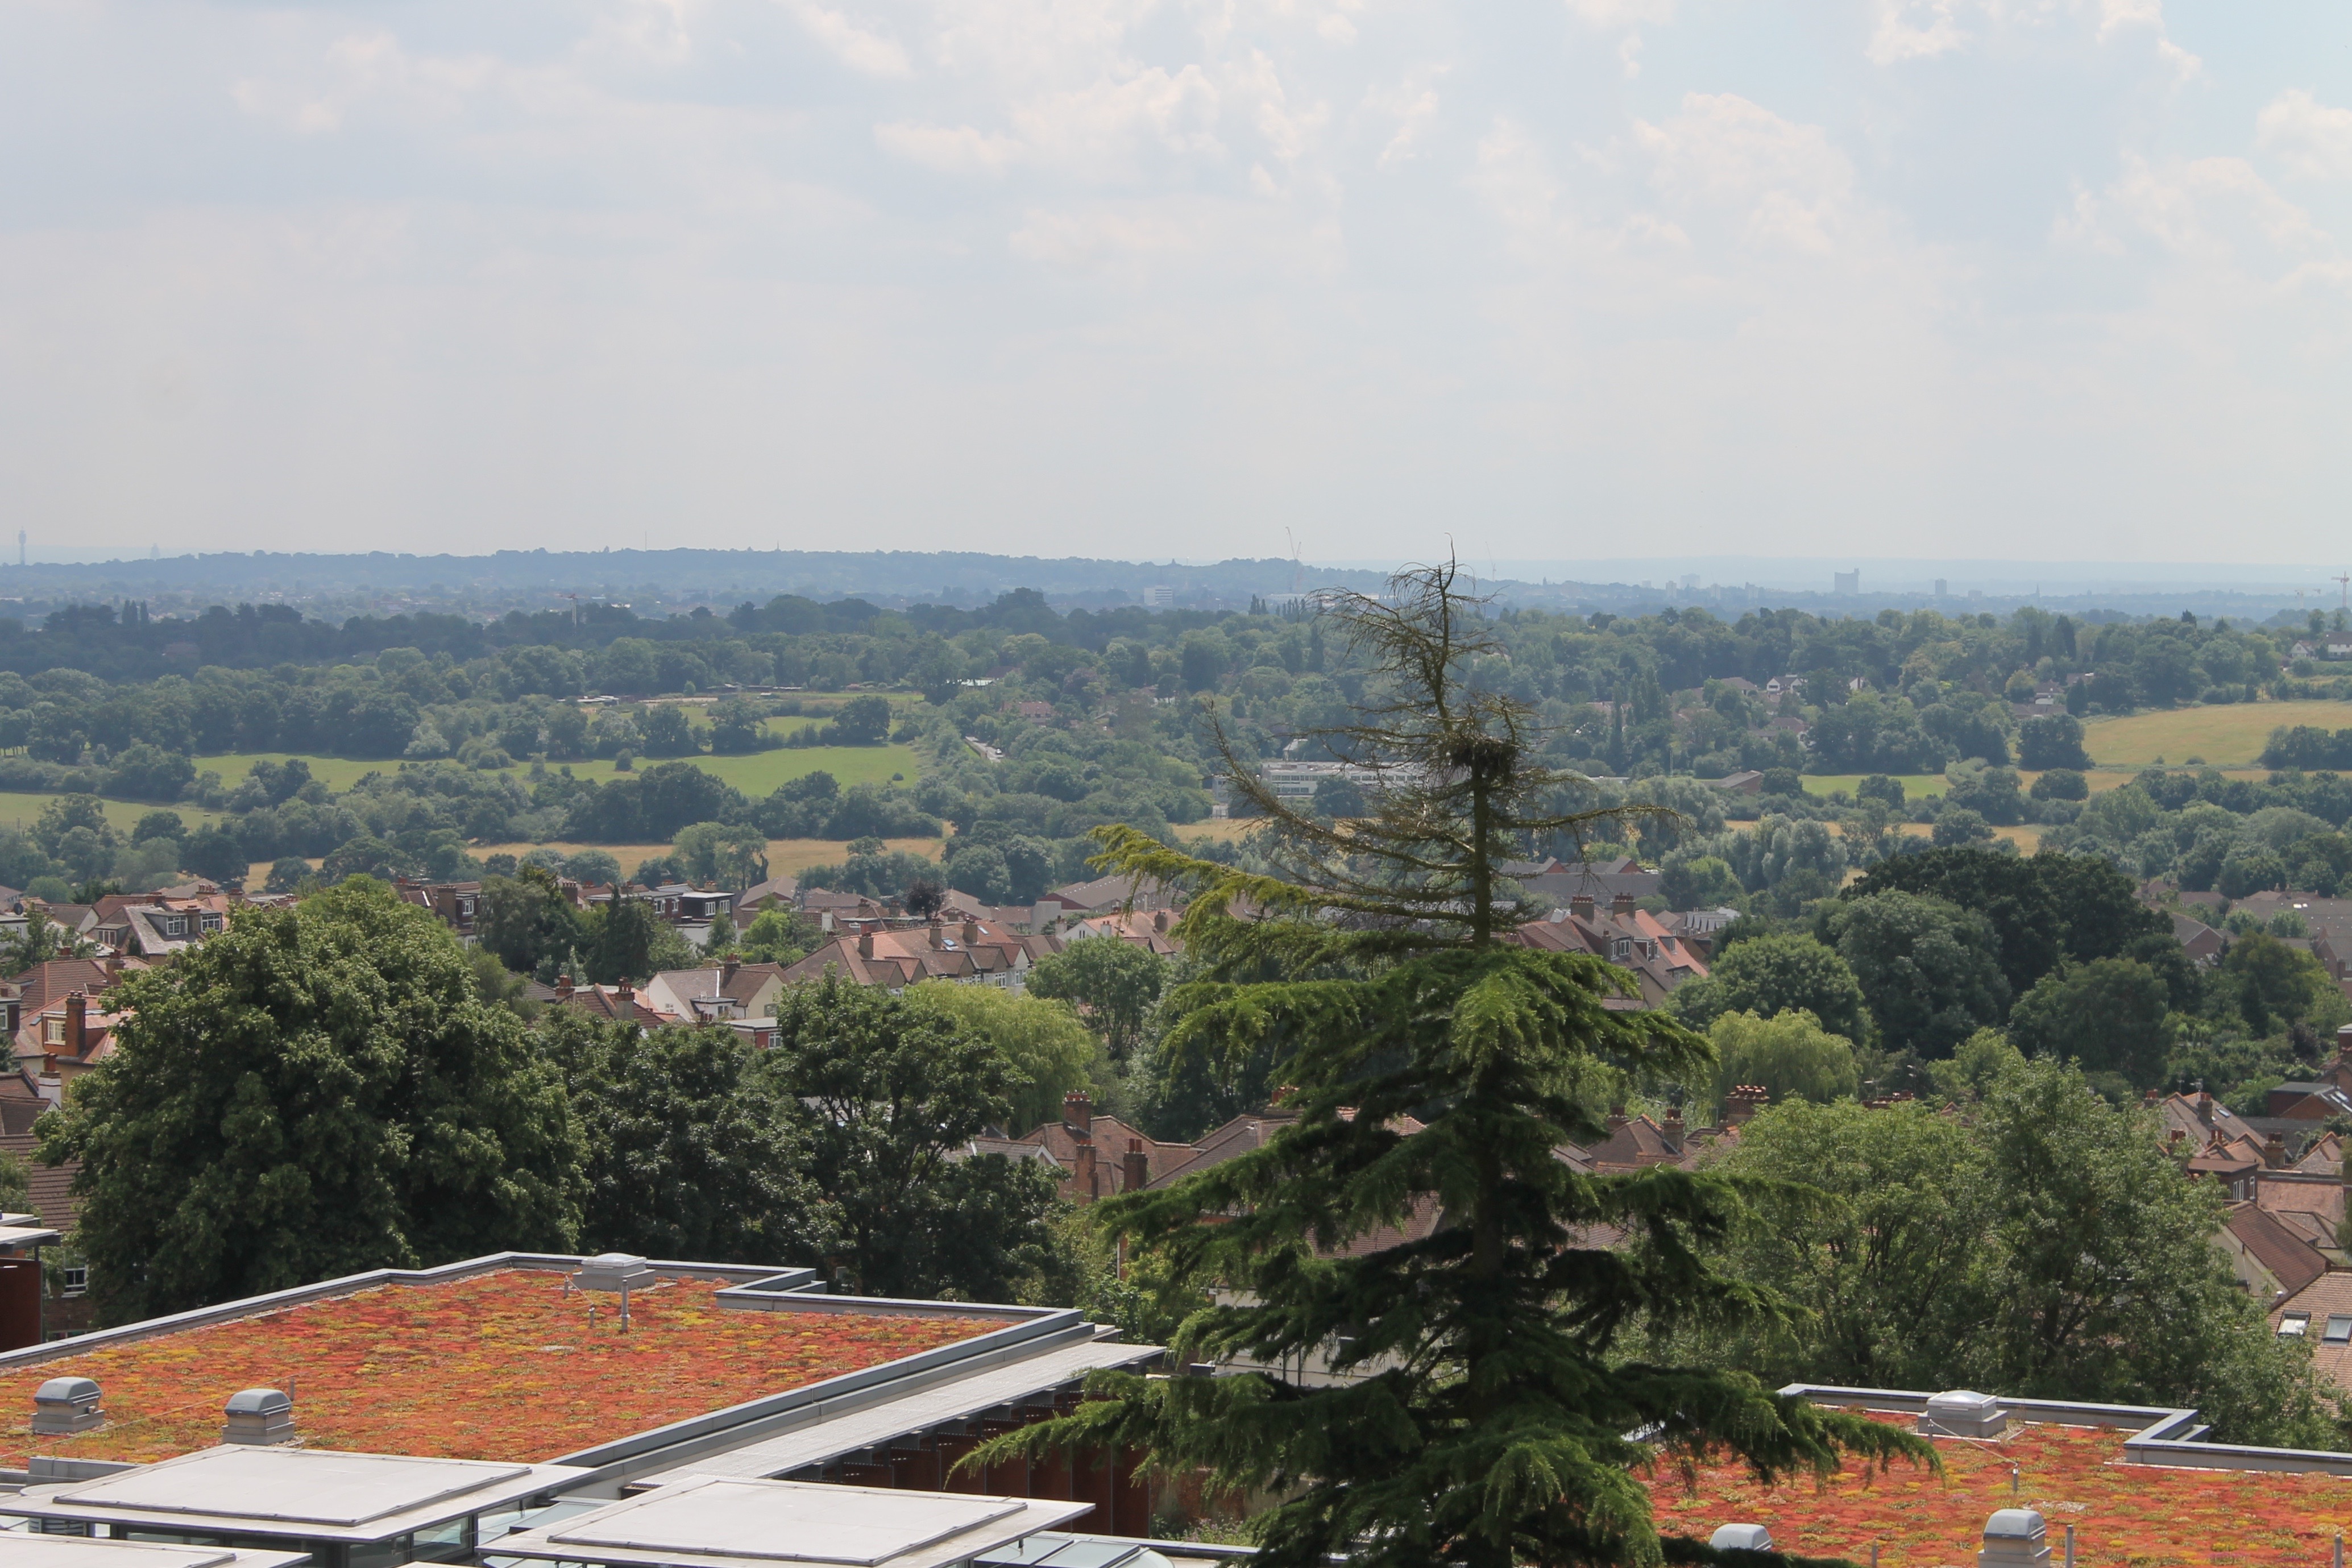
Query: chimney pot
x=2274, y=1152
x=259, y=1416
x=627, y=992
x=1078, y=1111
x=1621, y=906
x=563, y=986
x=938, y=932
x=1581, y=906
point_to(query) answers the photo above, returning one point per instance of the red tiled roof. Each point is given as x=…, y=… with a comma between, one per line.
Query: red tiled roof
x=2290, y=1259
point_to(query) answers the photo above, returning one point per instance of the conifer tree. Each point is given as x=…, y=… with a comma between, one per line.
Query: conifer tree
x=1479, y=1409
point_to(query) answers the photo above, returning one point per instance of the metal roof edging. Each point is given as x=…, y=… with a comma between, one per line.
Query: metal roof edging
x=2165, y=1436
x=771, y=1412
x=349, y=1284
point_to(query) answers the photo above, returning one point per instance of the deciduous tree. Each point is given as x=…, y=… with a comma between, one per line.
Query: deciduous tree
x=314, y=1091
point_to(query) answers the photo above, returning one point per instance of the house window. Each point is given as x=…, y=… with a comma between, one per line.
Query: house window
x=73, y=1281
x=2295, y=1325
x=53, y=1031
x=175, y=926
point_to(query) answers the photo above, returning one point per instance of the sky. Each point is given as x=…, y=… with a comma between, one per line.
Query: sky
x=1554, y=279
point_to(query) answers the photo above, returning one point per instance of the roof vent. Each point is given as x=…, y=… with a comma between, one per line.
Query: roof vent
x=65, y=1404
x=2014, y=1538
x=261, y=1415
x=1963, y=1413
x=621, y=1271
x=1741, y=1537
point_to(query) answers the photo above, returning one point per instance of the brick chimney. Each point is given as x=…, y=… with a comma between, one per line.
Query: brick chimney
x=1673, y=1128
x=1617, y=1119
x=1078, y=1112
x=562, y=988
x=627, y=994
x=1135, y=1167
x=865, y=944
x=1581, y=906
x=938, y=932
x=727, y=972
x=1160, y=922
x=971, y=932
x=1746, y=1100
x=2344, y=1043
x=76, y=1022
x=2274, y=1152
x=1088, y=1176
x=1622, y=906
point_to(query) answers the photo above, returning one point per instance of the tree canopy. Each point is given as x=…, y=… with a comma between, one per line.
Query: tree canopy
x=690, y=1150
x=312, y=1092
x=894, y=1092
x=1927, y=968
x=2046, y=1246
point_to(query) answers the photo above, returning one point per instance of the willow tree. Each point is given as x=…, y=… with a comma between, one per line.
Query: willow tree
x=1477, y=1408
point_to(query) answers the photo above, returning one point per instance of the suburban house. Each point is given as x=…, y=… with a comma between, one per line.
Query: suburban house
x=722, y=993
x=974, y=952
x=1100, y=1155
x=1624, y=934
x=614, y=1003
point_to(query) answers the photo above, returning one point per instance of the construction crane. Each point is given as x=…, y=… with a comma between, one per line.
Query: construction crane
x=1297, y=569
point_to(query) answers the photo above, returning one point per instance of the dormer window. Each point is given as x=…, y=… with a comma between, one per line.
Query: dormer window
x=53, y=1031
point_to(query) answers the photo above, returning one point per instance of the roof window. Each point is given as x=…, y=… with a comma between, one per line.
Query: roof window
x=2339, y=1329
x=2295, y=1325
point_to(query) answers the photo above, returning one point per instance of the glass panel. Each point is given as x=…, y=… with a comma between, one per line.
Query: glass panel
x=2293, y=1324
x=450, y=1542
x=378, y=1553
x=2339, y=1328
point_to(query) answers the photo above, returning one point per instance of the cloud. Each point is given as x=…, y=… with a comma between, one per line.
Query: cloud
x=1913, y=29
x=1144, y=272
x=2311, y=139
x=1615, y=14
x=949, y=150
x=852, y=45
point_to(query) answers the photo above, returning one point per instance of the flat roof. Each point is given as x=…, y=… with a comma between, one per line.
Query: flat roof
x=26, y=1551
x=503, y=1363
x=720, y=1521
x=955, y=1399
x=2072, y=1475
x=301, y=1492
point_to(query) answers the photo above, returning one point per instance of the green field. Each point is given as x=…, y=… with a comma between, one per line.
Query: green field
x=2231, y=735
x=21, y=810
x=755, y=775
x=1914, y=784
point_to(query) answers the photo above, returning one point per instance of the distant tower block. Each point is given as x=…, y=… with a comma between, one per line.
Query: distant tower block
x=20, y=547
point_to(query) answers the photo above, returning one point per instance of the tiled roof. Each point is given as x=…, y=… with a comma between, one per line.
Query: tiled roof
x=52, y=1185
x=2291, y=1261
x=50, y=980
x=2328, y=1296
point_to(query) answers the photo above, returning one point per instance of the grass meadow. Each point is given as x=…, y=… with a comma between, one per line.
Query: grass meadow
x=2231, y=735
